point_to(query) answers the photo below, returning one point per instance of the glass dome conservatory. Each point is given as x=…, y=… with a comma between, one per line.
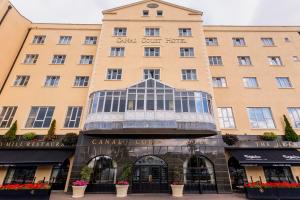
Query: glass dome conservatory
x=150, y=104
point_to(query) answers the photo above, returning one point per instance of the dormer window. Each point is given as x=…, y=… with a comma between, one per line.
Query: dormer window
x=159, y=13
x=145, y=13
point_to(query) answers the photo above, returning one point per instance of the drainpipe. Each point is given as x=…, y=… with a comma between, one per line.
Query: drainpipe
x=5, y=14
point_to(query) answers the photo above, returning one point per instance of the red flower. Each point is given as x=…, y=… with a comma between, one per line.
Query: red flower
x=272, y=185
x=28, y=186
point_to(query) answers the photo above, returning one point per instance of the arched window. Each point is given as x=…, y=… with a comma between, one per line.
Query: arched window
x=104, y=170
x=150, y=160
x=150, y=95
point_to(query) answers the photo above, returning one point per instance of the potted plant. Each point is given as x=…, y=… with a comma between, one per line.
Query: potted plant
x=70, y=139
x=79, y=186
x=230, y=139
x=29, y=136
x=268, y=136
x=177, y=185
x=123, y=184
x=33, y=191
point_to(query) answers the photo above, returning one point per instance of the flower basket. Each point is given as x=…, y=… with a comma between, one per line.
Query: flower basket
x=34, y=191
x=79, y=187
x=122, y=188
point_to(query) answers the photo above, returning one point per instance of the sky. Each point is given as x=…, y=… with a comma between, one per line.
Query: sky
x=216, y=12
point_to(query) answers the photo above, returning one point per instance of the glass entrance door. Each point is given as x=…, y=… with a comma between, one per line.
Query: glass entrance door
x=150, y=175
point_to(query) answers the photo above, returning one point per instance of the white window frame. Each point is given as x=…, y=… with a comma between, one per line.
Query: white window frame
x=226, y=118
x=152, y=51
x=81, y=81
x=185, y=32
x=244, y=60
x=152, y=32
x=65, y=40
x=7, y=114
x=35, y=115
x=284, y=82
x=31, y=59
x=186, y=52
x=73, y=115
x=239, y=42
x=86, y=59
x=211, y=41
x=21, y=81
x=114, y=74
x=120, y=31
x=265, y=113
x=39, y=39
x=189, y=74
x=294, y=113
x=219, y=82
x=275, y=61
x=90, y=40
x=58, y=59
x=250, y=82
x=117, y=51
x=51, y=81
x=215, y=60
x=268, y=42
x=151, y=73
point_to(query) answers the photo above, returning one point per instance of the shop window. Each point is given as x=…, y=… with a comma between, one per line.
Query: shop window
x=278, y=174
x=20, y=175
x=104, y=170
x=237, y=174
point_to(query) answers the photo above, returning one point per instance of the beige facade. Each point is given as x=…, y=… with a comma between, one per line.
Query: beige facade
x=169, y=62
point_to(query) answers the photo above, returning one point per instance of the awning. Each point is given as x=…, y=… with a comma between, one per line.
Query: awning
x=8, y=157
x=267, y=157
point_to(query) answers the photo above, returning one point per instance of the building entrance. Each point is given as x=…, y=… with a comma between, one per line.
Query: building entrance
x=150, y=175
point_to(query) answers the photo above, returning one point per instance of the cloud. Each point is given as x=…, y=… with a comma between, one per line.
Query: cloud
x=224, y=12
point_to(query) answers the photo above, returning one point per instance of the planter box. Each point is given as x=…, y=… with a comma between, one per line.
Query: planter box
x=273, y=193
x=25, y=194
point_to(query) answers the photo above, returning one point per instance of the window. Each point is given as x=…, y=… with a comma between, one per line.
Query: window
x=244, y=60
x=58, y=59
x=275, y=61
x=295, y=116
x=268, y=42
x=90, y=40
x=117, y=51
x=120, y=31
x=187, y=52
x=145, y=13
x=73, y=117
x=159, y=13
x=52, y=81
x=105, y=170
x=283, y=82
x=20, y=175
x=189, y=74
x=21, y=81
x=239, y=42
x=286, y=39
x=154, y=32
x=226, y=118
x=65, y=40
x=86, y=59
x=250, y=82
x=278, y=174
x=211, y=41
x=152, y=73
x=219, y=82
x=81, y=81
x=150, y=95
x=215, y=60
x=40, y=117
x=152, y=52
x=31, y=58
x=114, y=74
x=7, y=114
x=296, y=59
x=39, y=39
x=261, y=118
x=185, y=32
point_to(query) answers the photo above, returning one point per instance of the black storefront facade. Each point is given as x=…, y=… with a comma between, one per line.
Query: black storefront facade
x=153, y=158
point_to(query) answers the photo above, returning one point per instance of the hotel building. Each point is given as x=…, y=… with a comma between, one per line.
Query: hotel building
x=151, y=87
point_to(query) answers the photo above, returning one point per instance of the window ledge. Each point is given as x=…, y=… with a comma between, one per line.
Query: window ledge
x=221, y=87
x=277, y=65
x=216, y=65
x=113, y=80
x=80, y=86
x=286, y=88
x=269, y=46
x=34, y=128
x=252, y=88
x=28, y=63
x=64, y=128
x=239, y=46
x=37, y=44
x=152, y=56
x=116, y=56
x=187, y=56
x=84, y=64
x=63, y=44
x=263, y=129
x=56, y=64
x=89, y=44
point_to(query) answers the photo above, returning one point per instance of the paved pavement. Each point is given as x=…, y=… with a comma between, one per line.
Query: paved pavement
x=63, y=196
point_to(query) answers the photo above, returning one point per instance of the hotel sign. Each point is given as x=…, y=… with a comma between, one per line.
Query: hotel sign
x=150, y=40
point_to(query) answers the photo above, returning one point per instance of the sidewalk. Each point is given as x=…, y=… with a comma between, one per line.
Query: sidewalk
x=63, y=196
